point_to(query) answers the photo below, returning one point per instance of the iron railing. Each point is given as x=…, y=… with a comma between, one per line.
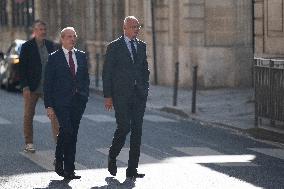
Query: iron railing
x=269, y=90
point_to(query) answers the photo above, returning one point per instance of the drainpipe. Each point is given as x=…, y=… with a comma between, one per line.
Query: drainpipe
x=253, y=28
x=154, y=43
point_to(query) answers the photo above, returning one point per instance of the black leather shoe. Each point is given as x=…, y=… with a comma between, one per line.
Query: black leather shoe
x=71, y=176
x=133, y=174
x=112, y=168
x=58, y=167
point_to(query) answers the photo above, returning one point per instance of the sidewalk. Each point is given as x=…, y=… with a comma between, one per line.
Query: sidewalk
x=228, y=107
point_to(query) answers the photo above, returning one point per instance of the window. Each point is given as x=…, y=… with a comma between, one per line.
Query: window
x=3, y=13
x=22, y=13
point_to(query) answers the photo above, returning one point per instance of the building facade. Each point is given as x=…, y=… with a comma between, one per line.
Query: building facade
x=215, y=35
x=269, y=28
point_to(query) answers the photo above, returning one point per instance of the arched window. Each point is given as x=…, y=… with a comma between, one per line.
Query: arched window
x=3, y=13
x=22, y=13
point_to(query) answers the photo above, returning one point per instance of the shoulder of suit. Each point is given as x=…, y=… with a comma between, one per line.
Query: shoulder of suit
x=114, y=42
x=54, y=53
x=80, y=51
x=29, y=42
x=141, y=42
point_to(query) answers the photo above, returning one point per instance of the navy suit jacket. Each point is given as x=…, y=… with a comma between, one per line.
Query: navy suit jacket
x=59, y=84
x=30, y=63
x=120, y=73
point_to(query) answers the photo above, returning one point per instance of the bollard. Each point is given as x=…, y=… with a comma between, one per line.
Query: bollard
x=194, y=87
x=97, y=69
x=176, y=84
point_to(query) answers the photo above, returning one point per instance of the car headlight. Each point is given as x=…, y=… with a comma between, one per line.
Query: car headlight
x=15, y=59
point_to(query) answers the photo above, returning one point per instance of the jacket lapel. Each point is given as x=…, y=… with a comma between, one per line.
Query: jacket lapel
x=139, y=50
x=125, y=48
x=79, y=60
x=63, y=58
x=36, y=50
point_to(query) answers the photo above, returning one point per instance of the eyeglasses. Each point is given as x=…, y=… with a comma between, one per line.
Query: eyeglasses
x=136, y=27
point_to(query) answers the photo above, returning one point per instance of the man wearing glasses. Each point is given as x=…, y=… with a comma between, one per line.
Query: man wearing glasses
x=125, y=87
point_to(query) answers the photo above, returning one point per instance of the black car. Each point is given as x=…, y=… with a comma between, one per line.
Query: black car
x=9, y=66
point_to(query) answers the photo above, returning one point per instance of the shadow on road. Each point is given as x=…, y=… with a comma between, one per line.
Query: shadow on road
x=113, y=183
x=62, y=184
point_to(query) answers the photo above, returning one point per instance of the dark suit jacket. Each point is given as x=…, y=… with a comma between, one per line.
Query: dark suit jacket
x=59, y=85
x=30, y=63
x=120, y=73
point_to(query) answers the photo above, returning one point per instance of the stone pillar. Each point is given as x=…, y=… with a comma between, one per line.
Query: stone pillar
x=108, y=19
x=91, y=19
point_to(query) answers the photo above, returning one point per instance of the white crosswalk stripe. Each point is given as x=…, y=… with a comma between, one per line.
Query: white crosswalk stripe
x=207, y=155
x=175, y=173
x=42, y=118
x=99, y=118
x=155, y=118
x=123, y=156
x=274, y=152
x=4, y=121
x=45, y=159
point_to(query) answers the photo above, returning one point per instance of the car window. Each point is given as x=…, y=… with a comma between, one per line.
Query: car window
x=18, y=48
x=10, y=49
x=13, y=51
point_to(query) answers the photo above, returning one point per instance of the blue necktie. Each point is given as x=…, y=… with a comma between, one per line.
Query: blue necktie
x=133, y=50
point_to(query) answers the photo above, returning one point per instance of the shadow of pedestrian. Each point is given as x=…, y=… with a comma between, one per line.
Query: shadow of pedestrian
x=54, y=184
x=113, y=183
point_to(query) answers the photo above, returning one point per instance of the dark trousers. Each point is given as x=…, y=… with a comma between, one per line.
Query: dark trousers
x=129, y=118
x=69, y=118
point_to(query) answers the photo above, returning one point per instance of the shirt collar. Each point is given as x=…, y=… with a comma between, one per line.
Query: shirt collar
x=67, y=51
x=127, y=40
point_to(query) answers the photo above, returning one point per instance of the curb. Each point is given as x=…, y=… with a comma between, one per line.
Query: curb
x=257, y=133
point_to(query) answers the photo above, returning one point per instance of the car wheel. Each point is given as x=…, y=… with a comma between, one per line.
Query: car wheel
x=8, y=86
x=1, y=84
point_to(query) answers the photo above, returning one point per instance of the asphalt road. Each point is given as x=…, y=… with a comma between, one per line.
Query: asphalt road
x=175, y=153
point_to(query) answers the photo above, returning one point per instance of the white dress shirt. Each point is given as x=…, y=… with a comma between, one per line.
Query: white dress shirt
x=127, y=41
x=66, y=53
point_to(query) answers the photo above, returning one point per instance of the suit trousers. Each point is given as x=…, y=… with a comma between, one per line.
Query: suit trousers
x=29, y=112
x=129, y=118
x=69, y=118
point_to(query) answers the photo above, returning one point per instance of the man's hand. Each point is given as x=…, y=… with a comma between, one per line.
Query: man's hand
x=108, y=104
x=26, y=92
x=50, y=113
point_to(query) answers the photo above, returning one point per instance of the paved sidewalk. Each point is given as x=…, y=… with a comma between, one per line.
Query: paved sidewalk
x=228, y=107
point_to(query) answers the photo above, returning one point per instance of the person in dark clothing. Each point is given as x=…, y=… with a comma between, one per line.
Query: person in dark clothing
x=33, y=58
x=125, y=87
x=66, y=91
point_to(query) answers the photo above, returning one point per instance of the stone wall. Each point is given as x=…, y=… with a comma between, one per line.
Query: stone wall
x=215, y=35
x=269, y=29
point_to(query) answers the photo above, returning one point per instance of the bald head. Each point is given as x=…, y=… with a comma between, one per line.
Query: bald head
x=68, y=38
x=67, y=29
x=131, y=27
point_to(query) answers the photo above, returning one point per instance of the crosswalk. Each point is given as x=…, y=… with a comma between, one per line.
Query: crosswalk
x=95, y=118
x=202, y=155
x=45, y=159
x=172, y=172
x=274, y=152
x=194, y=155
x=4, y=121
x=206, y=155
